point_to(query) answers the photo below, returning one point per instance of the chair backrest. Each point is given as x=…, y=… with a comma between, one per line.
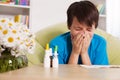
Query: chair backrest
x=45, y=35
x=113, y=47
x=113, y=44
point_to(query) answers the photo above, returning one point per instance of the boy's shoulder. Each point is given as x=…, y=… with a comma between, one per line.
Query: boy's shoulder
x=98, y=38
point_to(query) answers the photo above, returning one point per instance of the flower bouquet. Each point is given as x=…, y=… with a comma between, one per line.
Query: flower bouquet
x=15, y=41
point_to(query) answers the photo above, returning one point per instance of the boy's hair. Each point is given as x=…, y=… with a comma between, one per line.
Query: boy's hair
x=85, y=11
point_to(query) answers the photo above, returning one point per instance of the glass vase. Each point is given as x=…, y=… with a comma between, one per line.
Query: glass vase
x=9, y=62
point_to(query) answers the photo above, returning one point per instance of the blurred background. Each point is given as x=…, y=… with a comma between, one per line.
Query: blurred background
x=39, y=14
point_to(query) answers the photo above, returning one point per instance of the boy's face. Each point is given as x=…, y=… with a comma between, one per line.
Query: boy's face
x=80, y=29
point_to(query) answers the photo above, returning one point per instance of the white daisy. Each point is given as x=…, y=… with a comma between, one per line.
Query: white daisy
x=10, y=40
x=4, y=20
x=16, y=36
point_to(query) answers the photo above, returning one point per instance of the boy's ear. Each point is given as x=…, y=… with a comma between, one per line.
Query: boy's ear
x=69, y=27
x=93, y=25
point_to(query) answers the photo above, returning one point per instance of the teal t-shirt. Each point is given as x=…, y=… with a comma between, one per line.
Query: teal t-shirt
x=97, y=49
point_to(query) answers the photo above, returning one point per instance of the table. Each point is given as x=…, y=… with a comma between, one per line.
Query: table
x=64, y=72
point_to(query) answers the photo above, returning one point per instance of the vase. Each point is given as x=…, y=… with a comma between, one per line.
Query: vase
x=10, y=62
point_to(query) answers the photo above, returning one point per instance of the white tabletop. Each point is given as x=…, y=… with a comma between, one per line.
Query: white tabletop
x=64, y=72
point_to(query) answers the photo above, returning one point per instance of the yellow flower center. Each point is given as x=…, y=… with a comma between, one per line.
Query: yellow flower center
x=26, y=40
x=5, y=32
x=21, y=43
x=10, y=24
x=27, y=45
x=26, y=30
x=14, y=31
x=0, y=27
x=3, y=20
x=18, y=38
x=10, y=39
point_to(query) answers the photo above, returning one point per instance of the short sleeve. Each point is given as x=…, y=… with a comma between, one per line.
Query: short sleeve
x=60, y=51
x=101, y=57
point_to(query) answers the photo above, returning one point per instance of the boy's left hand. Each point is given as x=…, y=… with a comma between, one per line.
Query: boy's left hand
x=86, y=43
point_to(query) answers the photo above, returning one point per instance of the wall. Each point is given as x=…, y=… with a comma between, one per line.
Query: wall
x=48, y=12
x=113, y=17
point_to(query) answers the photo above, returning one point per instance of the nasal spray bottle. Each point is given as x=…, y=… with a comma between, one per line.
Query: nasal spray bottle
x=55, y=58
x=51, y=58
x=47, y=57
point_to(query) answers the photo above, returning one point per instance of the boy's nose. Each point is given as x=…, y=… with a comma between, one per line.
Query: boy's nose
x=84, y=31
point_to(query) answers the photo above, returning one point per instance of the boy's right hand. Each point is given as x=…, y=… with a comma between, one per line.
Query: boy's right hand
x=77, y=43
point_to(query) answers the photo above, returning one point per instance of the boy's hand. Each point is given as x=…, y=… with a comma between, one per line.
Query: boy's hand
x=77, y=42
x=86, y=43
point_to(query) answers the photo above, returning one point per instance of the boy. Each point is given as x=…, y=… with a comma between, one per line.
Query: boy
x=81, y=45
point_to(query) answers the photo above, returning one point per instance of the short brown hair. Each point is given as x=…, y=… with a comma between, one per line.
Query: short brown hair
x=85, y=11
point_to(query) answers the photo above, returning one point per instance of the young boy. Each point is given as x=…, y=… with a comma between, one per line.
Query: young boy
x=81, y=45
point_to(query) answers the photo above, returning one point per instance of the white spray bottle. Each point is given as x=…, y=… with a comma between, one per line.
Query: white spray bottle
x=47, y=57
x=55, y=58
x=51, y=58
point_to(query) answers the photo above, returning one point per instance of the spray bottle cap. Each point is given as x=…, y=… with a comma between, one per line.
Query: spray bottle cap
x=50, y=51
x=56, y=48
x=55, y=51
x=47, y=46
